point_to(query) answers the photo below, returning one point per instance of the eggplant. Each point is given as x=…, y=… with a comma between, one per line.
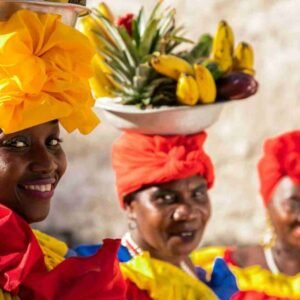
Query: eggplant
x=235, y=86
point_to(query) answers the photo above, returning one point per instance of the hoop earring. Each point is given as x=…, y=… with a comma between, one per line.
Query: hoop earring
x=132, y=225
x=269, y=237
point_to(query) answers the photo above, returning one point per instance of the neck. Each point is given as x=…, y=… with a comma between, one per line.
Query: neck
x=156, y=253
x=287, y=258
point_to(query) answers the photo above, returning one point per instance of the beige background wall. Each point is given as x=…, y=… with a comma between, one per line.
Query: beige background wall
x=85, y=202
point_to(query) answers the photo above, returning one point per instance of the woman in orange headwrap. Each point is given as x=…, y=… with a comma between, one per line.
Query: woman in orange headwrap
x=271, y=271
x=44, y=72
x=162, y=183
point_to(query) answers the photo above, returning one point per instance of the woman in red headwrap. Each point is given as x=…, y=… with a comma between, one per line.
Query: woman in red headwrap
x=271, y=271
x=44, y=72
x=162, y=183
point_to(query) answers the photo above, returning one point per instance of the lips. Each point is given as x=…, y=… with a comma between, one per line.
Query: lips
x=185, y=236
x=39, y=188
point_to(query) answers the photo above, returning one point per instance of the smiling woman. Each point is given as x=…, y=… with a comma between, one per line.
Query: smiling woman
x=35, y=161
x=163, y=184
x=44, y=84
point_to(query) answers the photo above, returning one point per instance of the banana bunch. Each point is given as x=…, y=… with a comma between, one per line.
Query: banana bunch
x=228, y=58
x=195, y=83
x=244, y=58
x=100, y=83
x=170, y=65
x=223, y=45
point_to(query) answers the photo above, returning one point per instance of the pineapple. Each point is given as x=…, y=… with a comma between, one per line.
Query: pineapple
x=125, y=48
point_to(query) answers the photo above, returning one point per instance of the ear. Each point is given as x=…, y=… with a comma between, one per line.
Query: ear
x=130, y=208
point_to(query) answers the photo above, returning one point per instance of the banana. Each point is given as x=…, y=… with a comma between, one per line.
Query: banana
x=100, y=84
x=187, y=90
x=170, y=65
x=104, y=10
x=206, y=84
x=222, y=52
x=89, y=27
x=244, y=58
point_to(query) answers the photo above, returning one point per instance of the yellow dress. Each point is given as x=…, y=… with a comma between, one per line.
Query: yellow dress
x=163, y=281
x=253, y=278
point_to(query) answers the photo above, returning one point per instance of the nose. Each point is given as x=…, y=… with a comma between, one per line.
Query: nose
x=185, y=212
x=43, y=161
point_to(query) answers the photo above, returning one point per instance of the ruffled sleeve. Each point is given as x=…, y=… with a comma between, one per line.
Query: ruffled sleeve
x=164, y=281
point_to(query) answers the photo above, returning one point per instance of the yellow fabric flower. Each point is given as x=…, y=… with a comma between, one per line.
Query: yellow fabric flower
x=45, y=66
x=164, y=281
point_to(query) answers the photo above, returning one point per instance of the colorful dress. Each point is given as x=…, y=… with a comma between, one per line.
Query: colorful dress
x=148, y=278
x=32, y=266
x=254, y=282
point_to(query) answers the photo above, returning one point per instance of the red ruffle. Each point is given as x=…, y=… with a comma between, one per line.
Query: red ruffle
x=23, y=270
x=252, y=295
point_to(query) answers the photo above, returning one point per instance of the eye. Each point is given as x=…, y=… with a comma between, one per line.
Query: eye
x=200, y=194
x=165, y=197
x=18, y=142
x=54, y=142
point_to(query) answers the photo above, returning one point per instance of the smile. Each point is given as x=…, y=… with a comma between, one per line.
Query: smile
x=184, y=236
x=40, y=188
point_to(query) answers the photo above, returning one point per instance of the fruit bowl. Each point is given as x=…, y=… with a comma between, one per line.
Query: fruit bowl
x=69, y=12
x=165, y=120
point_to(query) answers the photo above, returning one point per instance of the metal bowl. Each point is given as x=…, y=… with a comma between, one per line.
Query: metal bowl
x=165, y=120
x=69, y=12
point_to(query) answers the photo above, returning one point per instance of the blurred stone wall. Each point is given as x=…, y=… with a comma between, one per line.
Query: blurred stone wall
x=85, y=204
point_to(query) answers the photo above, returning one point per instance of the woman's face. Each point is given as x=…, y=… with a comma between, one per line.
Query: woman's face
x=31, y=164
x=284, y=211
x=171, y=217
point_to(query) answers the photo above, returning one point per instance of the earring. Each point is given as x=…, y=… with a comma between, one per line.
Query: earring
x=269, y=237
x=132, y=225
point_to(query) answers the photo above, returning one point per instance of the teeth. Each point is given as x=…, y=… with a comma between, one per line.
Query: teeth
x=40, y=188
x=186, y=234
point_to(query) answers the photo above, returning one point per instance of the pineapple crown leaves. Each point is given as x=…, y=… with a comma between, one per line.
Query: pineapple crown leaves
x=127, y=54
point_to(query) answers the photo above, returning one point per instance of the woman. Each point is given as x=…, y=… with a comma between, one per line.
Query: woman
x=271, y=271
x=162, y=184
x=44, y=72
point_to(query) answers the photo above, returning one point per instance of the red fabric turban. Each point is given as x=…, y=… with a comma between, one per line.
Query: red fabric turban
x=281, y=158
x=140, y=160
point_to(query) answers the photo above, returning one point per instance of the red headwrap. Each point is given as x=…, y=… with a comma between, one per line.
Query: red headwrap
x=281, y=158
x=140, y=160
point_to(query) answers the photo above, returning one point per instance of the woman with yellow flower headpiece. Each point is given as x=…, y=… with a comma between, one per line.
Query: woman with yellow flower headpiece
x=44, y=72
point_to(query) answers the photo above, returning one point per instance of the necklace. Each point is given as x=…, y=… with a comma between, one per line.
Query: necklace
x=271, y=263
x=134, y=249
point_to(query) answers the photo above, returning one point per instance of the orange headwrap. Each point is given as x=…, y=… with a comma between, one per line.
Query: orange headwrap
x=281, y=158
x=140, y=160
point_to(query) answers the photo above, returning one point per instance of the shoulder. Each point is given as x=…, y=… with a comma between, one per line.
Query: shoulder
x=247, y=256
x=205, y=257
x=92, y=249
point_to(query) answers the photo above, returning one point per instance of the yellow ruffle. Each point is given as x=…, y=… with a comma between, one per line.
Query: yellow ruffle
x=7, y=296
x=164, y=281
x=253, y=278
x=53, y=249
x=45, y=66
